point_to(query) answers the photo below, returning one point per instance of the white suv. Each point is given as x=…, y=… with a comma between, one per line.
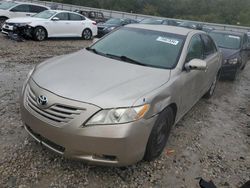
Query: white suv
x=11, y=9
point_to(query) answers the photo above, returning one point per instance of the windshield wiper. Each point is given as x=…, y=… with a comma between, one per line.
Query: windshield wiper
x=95, y=51
x=126, y=59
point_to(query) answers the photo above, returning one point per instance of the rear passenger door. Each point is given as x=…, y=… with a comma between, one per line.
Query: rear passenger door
x=212, y=58
x=77, y=24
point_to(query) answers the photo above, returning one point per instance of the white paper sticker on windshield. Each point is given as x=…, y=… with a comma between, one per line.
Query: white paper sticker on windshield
x=233, y=36
x=168, y=40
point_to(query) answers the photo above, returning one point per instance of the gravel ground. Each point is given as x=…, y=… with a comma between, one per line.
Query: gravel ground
x=212, y=141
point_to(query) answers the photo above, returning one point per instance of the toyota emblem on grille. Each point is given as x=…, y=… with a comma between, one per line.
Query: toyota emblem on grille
x=42, y=100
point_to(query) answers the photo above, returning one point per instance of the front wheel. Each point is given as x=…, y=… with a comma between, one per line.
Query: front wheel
x=39, y=34
x=87, y=34
x=159, y=134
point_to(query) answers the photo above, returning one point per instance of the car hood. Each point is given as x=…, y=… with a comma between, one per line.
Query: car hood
x=229, y=53
x=107, y=83
x=23, y=20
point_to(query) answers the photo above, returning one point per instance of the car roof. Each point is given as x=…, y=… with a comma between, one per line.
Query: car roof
x=228, y=32
x=18, y=2
x=165, y=28
x=59, y=11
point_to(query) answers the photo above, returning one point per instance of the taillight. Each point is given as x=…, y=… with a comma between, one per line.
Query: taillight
x=94, y=23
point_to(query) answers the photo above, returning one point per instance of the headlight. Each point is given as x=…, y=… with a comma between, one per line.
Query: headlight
x=22, y=24
x=233, y=61
x=119, y=115
x=110, y=28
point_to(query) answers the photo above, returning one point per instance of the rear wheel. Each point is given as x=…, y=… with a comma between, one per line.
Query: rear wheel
x=159, y=134
x=86, y=34
x=39, y=34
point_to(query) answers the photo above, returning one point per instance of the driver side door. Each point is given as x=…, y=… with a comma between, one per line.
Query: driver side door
x=192, y=81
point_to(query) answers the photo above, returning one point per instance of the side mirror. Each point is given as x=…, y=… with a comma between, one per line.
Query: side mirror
x=55, y=19
x=196, y=64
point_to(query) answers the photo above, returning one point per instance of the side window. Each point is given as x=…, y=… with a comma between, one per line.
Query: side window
x=92, y=15
x=62, y=16
x=100, y=15
x=21, y=8
x=172, y=22
x=37, y=9
x=75, y=17
x=195, y=50
x=209, y=46
x=165, y=22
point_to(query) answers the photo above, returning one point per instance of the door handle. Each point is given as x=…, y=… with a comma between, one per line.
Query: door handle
x=28, y=14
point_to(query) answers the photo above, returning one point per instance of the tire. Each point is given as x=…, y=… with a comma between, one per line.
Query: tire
x=242, y=68
x=39, y=34
x=211, y=90
x=2, y=20
x=159, y=134
x=87, y=34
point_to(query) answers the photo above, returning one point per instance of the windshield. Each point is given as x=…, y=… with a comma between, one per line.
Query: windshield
x=143, y=47
x=45, y=14
x=225, y=40
x=115, y=21
x=7, y=5
x=151, y=21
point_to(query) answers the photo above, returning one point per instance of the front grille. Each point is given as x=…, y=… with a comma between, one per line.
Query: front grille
x=57, y=114
x=46, y=141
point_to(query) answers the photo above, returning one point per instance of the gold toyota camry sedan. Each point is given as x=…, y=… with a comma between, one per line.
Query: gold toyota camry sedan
x=115, y=102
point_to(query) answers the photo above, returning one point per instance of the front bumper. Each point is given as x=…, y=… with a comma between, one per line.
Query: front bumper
x=24, y=31
x=228, y=70
x=101, y=33
x=113, y=145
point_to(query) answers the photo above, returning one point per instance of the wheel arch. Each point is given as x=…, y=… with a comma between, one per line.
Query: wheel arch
x=173, y=106
x=34, y=27
x=5, y=17
x=87, y=28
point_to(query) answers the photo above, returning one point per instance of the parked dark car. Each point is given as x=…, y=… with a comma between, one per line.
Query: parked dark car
x=111, y=24
x=235, y=49
x=191, y=25
x=207, y=28
x=98, y=17
x=155, y=21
